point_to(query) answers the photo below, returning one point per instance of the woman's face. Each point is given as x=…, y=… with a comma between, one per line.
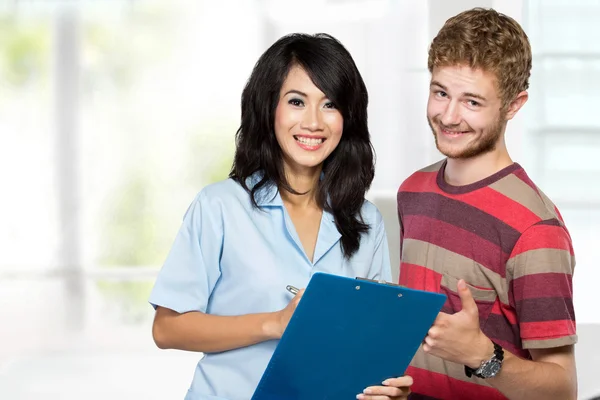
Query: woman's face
x=308, y=126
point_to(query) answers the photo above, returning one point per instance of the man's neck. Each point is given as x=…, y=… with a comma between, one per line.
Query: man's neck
x=461, y=172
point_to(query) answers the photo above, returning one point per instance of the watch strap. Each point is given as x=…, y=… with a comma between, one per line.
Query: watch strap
x=498, y=355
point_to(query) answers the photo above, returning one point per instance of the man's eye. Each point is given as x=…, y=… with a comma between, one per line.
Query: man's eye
x=473, y=103
x=441, y=94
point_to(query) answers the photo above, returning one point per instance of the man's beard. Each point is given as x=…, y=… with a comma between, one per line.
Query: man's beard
x=484, y=144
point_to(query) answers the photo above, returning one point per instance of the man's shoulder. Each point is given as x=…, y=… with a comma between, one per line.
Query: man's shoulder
x=420, y=180
x=435, y=167
x=519, y=188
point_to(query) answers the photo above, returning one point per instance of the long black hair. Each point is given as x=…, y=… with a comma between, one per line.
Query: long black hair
x=349, y=169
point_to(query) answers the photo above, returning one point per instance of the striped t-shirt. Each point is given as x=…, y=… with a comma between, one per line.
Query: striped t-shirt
x=508, y=241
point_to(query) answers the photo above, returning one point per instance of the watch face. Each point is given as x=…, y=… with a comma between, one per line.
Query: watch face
x=491, y=368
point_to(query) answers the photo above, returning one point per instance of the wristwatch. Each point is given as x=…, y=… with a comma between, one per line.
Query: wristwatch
x=489, y=368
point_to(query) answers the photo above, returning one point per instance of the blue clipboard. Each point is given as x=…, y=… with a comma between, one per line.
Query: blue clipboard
x=345, y=335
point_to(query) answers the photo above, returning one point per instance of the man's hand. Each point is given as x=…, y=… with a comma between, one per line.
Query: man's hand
x=392, y=389
x=457, y=337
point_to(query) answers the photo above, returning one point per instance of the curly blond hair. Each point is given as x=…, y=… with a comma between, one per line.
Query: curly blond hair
x=485, y=39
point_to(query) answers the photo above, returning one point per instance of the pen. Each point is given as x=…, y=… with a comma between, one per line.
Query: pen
x=293, y=290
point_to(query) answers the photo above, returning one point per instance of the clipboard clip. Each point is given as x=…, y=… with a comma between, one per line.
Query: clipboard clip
x=379, y=281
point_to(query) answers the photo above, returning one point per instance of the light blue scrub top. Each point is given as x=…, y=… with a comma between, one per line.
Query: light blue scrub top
x=232, y=259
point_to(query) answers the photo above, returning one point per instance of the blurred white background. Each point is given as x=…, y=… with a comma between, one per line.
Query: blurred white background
x=114, y=113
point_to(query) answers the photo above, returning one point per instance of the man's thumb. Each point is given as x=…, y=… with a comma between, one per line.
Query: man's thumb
x=466, y=298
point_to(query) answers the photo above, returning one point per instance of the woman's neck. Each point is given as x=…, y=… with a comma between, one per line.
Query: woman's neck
x=304, y=182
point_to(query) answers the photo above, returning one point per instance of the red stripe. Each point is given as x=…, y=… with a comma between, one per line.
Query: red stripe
x=460, y=214
x=420, y=278
x=543, y=236
x=486, y=199
x=457, y=240
x=421, y=182
x=440, y=386
x=547, y=330
x=542, y=285
x=504, y=208
x=506, y=311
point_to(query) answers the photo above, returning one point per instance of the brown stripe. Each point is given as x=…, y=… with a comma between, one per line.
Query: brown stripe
x=446, y=187
x=497, y=327
x=452, y=265
x=478, y=294
x=428, y=255
x=550, y=343
x=540, y=261
x=551, y=222
x=549, y=203
x=457, y=240
x=542, y=285
x=545, y=309
x=433, y=167
x=455, y=212
x=517, y=190
x=521, y=174
x=417, y=396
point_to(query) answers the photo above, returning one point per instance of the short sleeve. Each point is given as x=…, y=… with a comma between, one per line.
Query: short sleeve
x=380, y=267
x=192, y=267
x=540, y=270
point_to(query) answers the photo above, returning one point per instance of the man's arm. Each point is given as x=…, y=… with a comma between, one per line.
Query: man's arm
x=541, y=266
x=458, y=338
x=550, y=375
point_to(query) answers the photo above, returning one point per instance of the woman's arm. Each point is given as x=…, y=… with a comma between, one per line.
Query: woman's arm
x=197, y=331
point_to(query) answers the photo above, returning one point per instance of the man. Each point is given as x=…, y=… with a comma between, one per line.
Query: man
x=475, y=227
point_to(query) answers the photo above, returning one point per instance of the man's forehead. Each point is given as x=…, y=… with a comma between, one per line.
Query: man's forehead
x=465, y=79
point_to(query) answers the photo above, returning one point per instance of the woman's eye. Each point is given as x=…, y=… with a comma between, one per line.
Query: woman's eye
x=330, y=105
x=296, y=102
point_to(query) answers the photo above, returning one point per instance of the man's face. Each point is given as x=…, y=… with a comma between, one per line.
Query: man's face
x=464, y=111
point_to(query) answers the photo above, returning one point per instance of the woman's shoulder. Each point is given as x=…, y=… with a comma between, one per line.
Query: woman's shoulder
x=221, y=192
x=228, y=191
x=371, y=214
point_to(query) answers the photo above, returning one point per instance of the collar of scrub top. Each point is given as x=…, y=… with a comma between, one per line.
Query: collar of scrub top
x=269, y=193
x=269, y=197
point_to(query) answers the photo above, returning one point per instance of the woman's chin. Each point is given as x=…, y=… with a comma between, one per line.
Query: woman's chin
x=305, y=163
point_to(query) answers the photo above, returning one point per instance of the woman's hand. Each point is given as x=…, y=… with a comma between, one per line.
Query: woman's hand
x=282, y=318
x=392, y=389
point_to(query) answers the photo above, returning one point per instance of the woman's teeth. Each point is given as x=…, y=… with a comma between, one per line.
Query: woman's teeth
x=309, y=141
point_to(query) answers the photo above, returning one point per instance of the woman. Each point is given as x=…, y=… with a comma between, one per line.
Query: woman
x=293, y=205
